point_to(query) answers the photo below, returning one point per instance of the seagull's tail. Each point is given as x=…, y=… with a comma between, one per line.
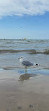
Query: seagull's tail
x=36, y=64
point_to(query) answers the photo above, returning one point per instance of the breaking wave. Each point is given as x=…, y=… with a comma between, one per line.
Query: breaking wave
x=29, y=51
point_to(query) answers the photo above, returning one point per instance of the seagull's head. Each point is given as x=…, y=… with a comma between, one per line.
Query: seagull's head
x=20, y=59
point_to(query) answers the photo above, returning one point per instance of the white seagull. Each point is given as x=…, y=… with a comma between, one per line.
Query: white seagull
x=27, y=63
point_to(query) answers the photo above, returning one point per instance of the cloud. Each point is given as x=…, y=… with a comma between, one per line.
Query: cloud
x=21, y=7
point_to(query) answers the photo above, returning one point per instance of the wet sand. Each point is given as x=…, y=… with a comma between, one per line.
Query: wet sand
x=23, y=93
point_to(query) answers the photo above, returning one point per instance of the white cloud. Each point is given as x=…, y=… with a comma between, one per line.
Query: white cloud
x=21, y=7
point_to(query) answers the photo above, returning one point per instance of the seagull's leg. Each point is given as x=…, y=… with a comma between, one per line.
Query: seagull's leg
x=25, y=69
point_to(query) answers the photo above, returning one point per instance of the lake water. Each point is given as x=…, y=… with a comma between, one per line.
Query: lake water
x=36, y=51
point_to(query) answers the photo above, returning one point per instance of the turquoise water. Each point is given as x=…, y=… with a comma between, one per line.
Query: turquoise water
x=33, y=50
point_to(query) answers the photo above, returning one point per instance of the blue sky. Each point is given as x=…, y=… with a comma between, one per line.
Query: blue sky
x=22, y=22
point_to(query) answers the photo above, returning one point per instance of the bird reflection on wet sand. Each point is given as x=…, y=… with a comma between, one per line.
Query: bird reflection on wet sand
x=26, y=76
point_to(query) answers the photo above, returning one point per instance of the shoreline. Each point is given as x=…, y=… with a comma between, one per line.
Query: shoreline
x=28, y=95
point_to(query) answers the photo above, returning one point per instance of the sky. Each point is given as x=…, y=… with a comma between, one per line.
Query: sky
x=24, y=19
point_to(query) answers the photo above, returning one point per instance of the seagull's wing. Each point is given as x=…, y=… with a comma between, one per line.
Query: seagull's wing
x=27, y=63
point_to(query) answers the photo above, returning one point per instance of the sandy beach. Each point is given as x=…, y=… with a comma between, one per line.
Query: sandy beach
x=24, y=93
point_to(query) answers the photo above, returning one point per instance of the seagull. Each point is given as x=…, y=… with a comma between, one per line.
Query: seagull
x=26, y=63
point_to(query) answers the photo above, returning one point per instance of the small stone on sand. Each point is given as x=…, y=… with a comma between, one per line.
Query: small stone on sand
x=30, y=106
x=19, y=107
